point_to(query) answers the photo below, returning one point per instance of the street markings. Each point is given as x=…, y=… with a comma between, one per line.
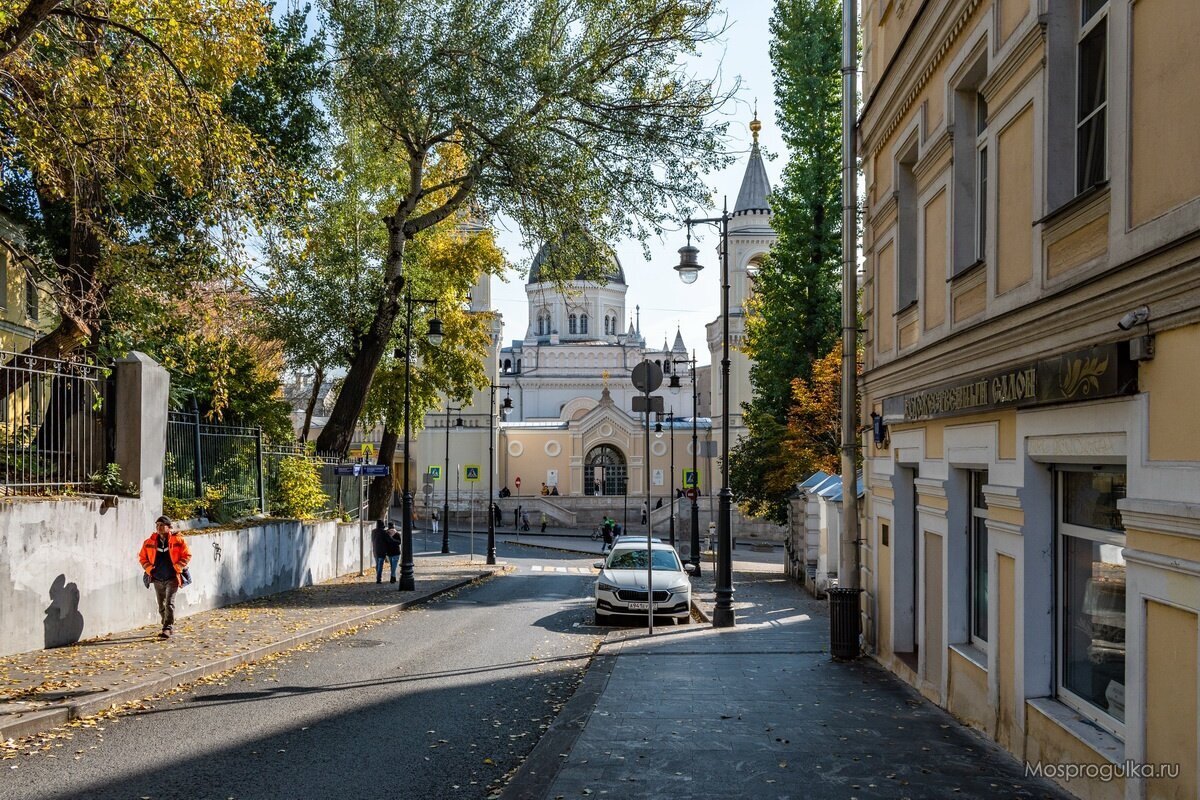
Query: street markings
x=544, y=568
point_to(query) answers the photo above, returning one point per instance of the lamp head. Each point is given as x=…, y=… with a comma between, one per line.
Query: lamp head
x=435, y=335
x=689, y=263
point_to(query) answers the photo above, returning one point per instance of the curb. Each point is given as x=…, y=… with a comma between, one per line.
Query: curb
x=537, y=772
x=43, y=720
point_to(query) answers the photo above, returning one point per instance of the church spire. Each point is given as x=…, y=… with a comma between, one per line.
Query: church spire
x=679, y=347
x=752, y=197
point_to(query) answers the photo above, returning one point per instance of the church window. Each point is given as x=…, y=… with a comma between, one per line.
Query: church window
x=607, y=325
x=507, y=364
x=572, y=323
x=583, y=323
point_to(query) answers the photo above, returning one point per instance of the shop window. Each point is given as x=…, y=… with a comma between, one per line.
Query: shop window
x=977, y=560
x=1091, y=601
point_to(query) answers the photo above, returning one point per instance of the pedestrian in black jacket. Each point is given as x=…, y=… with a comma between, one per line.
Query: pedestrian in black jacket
x=379, y=549
x=393, y=548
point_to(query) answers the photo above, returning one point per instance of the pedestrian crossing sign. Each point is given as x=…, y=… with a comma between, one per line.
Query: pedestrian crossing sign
x=691, y=479
x=435, y=473
x=471, y=473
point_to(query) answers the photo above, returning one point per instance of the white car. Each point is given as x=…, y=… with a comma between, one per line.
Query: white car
x=621, y=585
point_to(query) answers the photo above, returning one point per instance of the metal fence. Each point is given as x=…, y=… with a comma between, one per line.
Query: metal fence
x=55, y=425
x=227, y=471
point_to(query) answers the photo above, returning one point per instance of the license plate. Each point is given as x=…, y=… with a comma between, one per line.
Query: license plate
x=643, y=606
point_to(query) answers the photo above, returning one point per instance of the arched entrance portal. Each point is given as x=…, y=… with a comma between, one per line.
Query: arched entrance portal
x=607, y=464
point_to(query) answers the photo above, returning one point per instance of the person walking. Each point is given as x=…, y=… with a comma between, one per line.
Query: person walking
x=545, y=521
x=644, y=512
x=524, y=520
x=393, y=549
x=433, y=521
x=379, y=549
x=496, y=513
x=164, y=557
x=606, y=531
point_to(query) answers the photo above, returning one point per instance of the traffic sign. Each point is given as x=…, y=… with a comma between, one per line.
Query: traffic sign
x=518, y=481
x=647, y=376
x=347, y=469
x=435, y=473
x=471, y=473
x=376, y=470
x=691, y=477
x=427, y=488
x=691, y=494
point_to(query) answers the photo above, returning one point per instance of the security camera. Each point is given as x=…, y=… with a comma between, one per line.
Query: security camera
x=1134, y=318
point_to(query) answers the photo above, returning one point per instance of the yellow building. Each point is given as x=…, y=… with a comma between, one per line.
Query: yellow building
x=24, y=308
x=1032, y=306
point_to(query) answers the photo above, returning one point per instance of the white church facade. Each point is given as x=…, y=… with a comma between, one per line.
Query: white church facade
x=571, y=425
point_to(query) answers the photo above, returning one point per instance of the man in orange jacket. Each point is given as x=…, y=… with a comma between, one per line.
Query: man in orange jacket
x=164, y=556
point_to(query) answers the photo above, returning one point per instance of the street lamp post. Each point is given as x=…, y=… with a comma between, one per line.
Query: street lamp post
x=689, y=269
x=675, y=387
x=491, y=517
x=407, y=580
x=446, y=480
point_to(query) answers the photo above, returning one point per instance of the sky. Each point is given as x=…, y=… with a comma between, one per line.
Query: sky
x=654, y=285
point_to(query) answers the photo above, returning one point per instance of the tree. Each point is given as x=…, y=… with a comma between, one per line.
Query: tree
x=794, y=315
x=575, y=118
x=117, y=148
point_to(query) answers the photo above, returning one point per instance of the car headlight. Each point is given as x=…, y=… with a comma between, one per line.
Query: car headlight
x=605, y=587
x=683, y=587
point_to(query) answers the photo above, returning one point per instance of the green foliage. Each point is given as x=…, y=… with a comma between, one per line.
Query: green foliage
x=108, y=481
x=298, y=494
x=794, y=316
x=181, y=509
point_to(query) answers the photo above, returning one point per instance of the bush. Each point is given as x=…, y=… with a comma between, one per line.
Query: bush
x=181, y=509
x=298, y=494
x=108, y=481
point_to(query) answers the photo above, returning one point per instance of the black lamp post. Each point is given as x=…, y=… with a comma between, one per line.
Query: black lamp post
x=675, y=387
x=689, y=269
x=670, y=416
x=407, y=580
x=458, y=423
x=491, y=542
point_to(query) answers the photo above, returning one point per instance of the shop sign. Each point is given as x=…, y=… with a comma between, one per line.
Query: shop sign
x=1097, y=372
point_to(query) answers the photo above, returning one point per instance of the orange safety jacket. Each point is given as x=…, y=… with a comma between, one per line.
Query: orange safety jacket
x=176, y=546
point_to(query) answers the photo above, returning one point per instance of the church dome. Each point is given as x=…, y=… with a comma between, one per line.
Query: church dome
x=613, y=274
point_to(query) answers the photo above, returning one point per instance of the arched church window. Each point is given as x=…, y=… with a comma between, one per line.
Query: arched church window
x=583, y=323
x=572, y=323
x=518, y=365
x=507, y=364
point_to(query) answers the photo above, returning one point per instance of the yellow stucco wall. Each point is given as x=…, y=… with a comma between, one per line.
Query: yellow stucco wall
x=1050, y=743
x=1184, y=547
x=1172, y=383
x=934, y=645
x=1078, y=247
x=935, y=432
x=1164, y=148
x=970, y=302
x=934, y=305
x=1171, y=676
x=1008, y=724
x=1014, y=202
x=1009, y=14
x=968, y=693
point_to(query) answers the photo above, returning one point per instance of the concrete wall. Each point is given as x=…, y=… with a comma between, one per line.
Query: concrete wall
x=69, y=569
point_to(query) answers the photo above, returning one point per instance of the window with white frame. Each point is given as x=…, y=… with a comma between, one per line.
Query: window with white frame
x=572, y=323
x=977, y=560
x=583, y=320
x=1091, y=131
x=1091, y=594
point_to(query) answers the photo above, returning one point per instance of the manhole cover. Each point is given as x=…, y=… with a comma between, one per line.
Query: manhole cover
x=364, y=643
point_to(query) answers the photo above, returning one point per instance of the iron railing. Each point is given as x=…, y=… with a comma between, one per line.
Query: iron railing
x=227, y=471
x=55, y=425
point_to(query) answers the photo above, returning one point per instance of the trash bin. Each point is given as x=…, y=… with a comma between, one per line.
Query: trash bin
x=844, y=620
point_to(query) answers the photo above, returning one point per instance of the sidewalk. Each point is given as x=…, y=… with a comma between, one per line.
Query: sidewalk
x=757, y=711
x=44, y=689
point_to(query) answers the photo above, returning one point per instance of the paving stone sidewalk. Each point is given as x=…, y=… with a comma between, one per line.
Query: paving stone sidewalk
x=46, y=688
x=757, y=711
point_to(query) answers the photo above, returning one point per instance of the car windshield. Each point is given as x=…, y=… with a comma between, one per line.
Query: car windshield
x=636, y=559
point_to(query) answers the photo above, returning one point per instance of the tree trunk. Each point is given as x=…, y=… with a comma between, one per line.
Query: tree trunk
x=352, y=398
x=318, y=379
x=380, y=493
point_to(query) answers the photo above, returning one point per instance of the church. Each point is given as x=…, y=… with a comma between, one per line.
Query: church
x=570, y=423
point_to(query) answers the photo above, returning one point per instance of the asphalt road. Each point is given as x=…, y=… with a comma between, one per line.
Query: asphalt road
x=436, y=702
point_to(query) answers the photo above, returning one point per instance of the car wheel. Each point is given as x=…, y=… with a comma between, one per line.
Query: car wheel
x=683, y=620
